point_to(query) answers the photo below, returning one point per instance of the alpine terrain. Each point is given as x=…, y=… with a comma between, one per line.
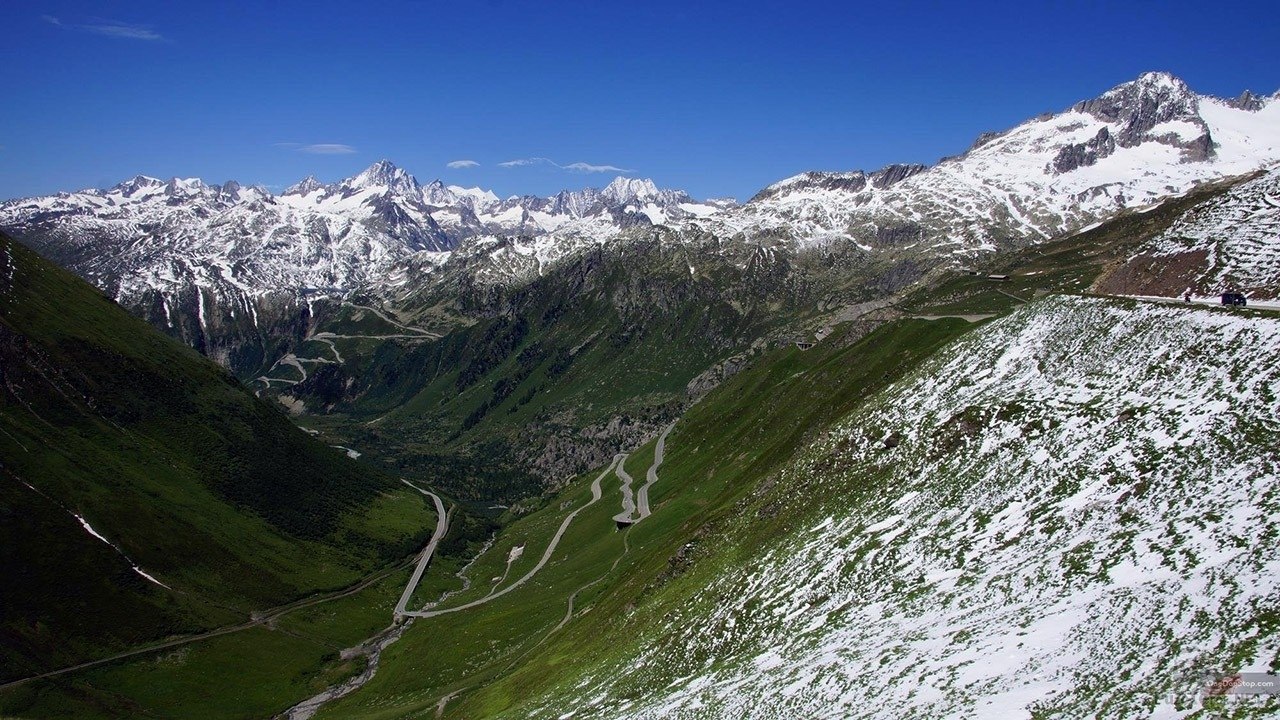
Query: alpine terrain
x=981, y=438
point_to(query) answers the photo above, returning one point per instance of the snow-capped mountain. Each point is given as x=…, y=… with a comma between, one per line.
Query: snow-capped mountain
x=203, y=251
x=1135, y=145
x=146, y=234
x=199, y=260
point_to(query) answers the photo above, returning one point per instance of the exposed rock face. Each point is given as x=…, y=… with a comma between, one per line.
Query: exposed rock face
x=1084, y=154
x=899, y=234
x=1151, y=101
x=709, y=379
x=1167, y=275
x=893, y=174
x=1247, y=101
x=1228, y=242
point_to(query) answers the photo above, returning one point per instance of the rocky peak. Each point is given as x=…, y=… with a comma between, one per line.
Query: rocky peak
x=893, y=174
x=1247, y=101
x=848, y=181
x=183, y=187
x=305, y=186
x=436, y=193
x=1139, y=105
x=623, y=190
x=138, y=182
x=384, y=174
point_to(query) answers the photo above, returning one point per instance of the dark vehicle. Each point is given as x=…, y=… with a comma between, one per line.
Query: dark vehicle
x=1234, y=298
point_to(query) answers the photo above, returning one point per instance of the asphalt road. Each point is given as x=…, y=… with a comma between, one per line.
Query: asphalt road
x=596, y=494
x=442, y=527
x=642, y=497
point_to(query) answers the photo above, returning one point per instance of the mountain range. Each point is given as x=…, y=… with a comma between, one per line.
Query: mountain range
x=184, y=247
x=971, y=439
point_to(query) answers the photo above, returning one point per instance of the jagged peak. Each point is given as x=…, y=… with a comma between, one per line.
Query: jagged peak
x=136, y=182
x=437, y=193
x=176, y=183
x=384, y=173
x=1248, y=101
x=305, y=186
x=1151, y=94
x=623, y=189
x=479, y=195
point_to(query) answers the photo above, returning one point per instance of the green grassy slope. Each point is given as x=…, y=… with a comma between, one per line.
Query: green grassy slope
x=206, y=488
x=721, y=451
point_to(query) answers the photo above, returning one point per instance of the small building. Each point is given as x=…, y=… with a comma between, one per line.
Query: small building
x=1234, y=298
x=998, y=278
x=804, y=344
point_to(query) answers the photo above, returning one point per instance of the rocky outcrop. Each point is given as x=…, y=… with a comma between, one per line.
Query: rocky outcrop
x=1138, y=108
x=710, y=379
x=1081, y=155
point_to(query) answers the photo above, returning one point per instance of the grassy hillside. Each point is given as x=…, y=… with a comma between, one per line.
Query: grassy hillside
x=204, y=488
x=612, y=602
x=1066, y=513
x=718, y=456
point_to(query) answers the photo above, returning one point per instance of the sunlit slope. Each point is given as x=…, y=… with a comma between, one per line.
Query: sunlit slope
x=494, y=656
x=1070, y=510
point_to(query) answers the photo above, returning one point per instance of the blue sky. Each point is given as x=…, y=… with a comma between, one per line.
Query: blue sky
x=720, y=99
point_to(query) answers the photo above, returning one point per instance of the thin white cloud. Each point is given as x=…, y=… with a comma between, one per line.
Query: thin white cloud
x=577, y=167
x=108, y=28
x=589, y=168
x=327, y=149
x=462, y=164
x=526, y=161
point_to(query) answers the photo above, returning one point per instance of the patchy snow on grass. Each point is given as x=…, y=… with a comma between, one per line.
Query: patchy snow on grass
x=1078, y=522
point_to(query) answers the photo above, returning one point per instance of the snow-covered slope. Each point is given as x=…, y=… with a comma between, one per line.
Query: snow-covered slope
x=1138, y=143
x=1231, y=242
x=1068, y=513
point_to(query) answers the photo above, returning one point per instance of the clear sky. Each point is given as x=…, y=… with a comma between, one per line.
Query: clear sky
x=719, y=99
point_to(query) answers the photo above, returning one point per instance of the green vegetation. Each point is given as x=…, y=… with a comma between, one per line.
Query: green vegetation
x=204, y=487
x=722, y=453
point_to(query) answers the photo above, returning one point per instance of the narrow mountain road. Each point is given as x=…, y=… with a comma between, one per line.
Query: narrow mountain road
x=402, y=326
x=337, y=356
x=628, y=496
x=442, y=527
x=411, y=333
x=651, y=477
x=596, y=494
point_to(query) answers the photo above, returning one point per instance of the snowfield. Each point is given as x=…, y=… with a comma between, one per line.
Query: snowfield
x=1078, y=520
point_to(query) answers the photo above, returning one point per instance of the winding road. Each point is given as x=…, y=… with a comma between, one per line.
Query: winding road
x=596, y=494
x=328, y=338
x=651, y=477
x=442, y=527
x=628, y=496
x=402, y=326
